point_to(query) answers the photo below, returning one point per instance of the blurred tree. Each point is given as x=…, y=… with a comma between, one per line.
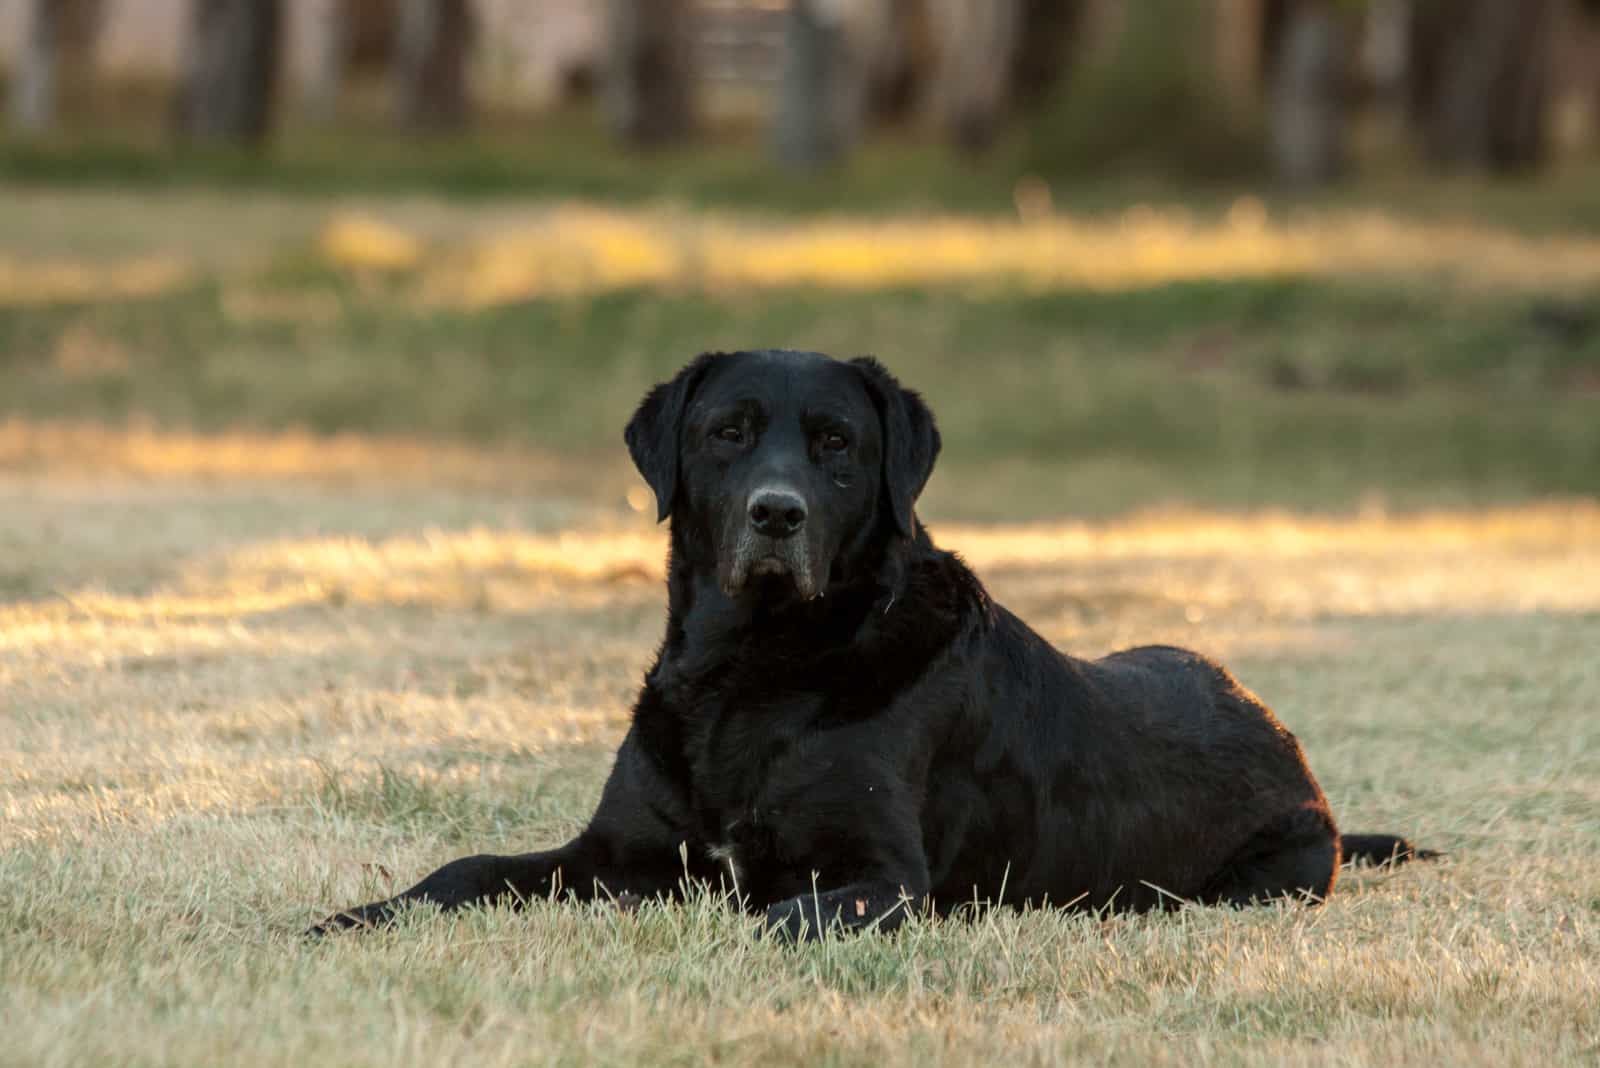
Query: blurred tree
x=650, y=76
x=352, y=42
x=1143, y=92
x=330, y=54
x=1048, y=30
x=369, y=35
x=897, y=52
x=977, y=44
x=1307, y=91
x=992, y=58
x=1481, y=79
x=430, y=61
x=231, y=70
x=1587, y=14
x=59, y=49
x=821, y=88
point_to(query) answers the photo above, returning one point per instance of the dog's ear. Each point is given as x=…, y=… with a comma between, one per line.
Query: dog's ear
x=910, y=441
x=652, y=434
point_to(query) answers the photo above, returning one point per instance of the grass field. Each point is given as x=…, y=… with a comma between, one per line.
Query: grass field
x=320, y=564
x=243, y=705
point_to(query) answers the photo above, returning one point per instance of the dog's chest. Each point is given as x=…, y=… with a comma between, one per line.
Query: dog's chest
x=739, y=840
x=739, y=759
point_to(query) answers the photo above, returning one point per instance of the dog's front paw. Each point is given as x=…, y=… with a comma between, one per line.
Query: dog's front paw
x=468, y=881
x=794, y=920
x=881, y=906
x=365, y=917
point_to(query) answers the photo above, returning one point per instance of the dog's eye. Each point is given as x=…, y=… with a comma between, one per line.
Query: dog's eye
x=730, y=433
x=834, y=442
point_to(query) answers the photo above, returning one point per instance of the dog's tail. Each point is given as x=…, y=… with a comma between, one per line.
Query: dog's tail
x=1381, y=849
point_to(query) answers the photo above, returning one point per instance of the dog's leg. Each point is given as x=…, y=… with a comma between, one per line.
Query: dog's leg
x=1380, y=850
x=869, y=876
x=633, y=845
x=879, y=905
x=1296, y=857
x=484, y=879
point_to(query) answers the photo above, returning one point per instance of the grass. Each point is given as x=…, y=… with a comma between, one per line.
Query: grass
x=1076, y=366
x=1277, y=391
x=227, y=717
x=320, y=564
x=509, y=157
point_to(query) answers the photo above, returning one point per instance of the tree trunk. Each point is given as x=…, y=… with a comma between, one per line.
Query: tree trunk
x=895, y=56
x=330, y=53
x=57, y=52
x=1481, y=81
x=232, y=70
x=650, y=80
x=1307, y=103
x=1046, y=32
x=33, y=88
x=431, y=64
x=821, y=87
x=977, y=46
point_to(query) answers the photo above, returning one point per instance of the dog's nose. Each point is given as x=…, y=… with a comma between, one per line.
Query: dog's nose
x=776, y=513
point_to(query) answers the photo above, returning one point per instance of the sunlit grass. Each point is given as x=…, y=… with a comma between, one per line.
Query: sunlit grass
x=24, y=282
x=148, y=450
x=573, y=248
x=576, y=249
x=1532, y=558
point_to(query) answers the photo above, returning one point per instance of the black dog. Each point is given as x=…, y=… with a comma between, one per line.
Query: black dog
x=842, y=725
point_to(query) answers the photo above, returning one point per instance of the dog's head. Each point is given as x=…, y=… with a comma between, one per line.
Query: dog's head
x=788, y=470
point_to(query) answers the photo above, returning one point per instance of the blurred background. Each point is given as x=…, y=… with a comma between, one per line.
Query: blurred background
x=1317, y=254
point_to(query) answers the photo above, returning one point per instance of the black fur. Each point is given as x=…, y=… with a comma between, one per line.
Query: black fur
x=841, y=725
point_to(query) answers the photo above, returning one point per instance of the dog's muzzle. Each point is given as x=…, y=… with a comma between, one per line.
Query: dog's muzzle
x=772, y=540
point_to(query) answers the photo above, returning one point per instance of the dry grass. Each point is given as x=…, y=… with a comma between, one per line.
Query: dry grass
x=226, y=707
x=83, y=447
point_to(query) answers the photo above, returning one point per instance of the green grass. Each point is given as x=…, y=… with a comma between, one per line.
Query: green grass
x=1308, y=393
x=553, y=155
x=570, y=155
